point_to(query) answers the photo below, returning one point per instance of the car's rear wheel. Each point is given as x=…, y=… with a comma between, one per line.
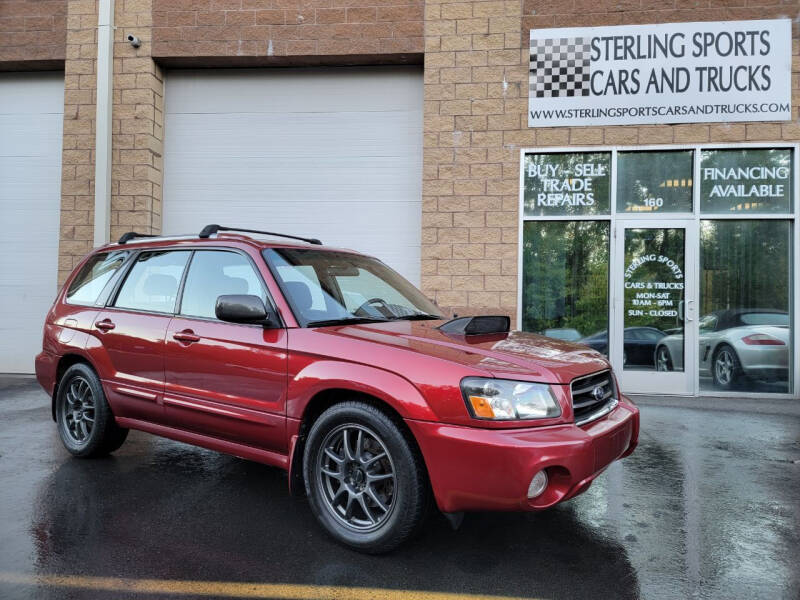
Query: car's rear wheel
x=663, y=359
x=726, y=370
x=86, y=424
x=364, y=480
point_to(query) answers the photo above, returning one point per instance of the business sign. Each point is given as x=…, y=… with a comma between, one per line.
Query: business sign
x=654, y=280
x=647, y=293
x=668, y=73
x=573, y=183
x=746, y=180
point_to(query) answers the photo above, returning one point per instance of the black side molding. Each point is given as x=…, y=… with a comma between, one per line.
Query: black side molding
x=478, y=325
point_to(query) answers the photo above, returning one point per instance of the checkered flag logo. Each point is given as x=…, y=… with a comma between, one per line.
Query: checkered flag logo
x=560, y=67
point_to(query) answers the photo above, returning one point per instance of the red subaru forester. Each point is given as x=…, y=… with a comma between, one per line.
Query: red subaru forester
x=328, y=364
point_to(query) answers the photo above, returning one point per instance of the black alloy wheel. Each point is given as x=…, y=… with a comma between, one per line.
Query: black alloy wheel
x=86, y=424
x=364, y=479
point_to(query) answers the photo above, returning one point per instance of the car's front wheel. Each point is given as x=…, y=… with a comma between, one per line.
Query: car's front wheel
x=364, y=480
x=84, y=418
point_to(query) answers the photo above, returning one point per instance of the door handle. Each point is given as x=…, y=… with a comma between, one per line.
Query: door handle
x=689, y=310
x=105, y=325
x=187, y=336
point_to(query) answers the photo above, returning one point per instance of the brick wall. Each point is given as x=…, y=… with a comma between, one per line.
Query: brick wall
x=32, y=34
x=253, y=32
x=476, y=69
x=138, y=124
x=77, y=157
x=475, y=95
x=137, y=129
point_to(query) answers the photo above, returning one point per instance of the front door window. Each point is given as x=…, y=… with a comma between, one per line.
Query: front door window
x=655, y=285
x=655, y=308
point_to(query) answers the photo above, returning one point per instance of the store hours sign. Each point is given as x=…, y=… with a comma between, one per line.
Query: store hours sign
x=667, y=73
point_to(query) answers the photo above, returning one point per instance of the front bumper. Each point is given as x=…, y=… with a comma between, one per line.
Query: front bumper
x=473, y=469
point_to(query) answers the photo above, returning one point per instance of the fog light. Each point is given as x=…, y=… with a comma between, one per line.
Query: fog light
x=538, y=485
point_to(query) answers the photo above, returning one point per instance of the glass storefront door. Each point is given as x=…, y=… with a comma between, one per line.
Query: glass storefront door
x=655, y=306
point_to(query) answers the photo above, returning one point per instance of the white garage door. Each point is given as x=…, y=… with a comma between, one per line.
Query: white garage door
x=31, y=120
x=334, y=154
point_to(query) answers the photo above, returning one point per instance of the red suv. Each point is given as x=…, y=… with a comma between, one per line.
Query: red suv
x=328, y=364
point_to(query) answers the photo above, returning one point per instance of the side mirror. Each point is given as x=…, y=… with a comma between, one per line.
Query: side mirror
x=242, y=308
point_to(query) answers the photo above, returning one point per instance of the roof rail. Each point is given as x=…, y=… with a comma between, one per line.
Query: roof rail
x=130, y=235
x=210, y=230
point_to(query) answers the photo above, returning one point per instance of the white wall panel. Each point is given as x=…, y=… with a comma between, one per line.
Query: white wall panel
x=31, y=121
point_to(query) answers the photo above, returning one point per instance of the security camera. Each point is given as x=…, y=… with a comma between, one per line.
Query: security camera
x=134, y=41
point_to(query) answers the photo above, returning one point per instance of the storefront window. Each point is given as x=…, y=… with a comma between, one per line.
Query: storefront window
x=704, y=288
x=751, y=180
x=567, y=184
x=565, y=279
x=650, y=182
x=745, y=299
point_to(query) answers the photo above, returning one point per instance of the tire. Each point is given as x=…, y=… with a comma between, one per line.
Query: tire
x=383, y=512
x=726, y=370
x=84, y=419
x=663, y=359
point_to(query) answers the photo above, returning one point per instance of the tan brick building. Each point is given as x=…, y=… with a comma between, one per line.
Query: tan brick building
x=463, y=68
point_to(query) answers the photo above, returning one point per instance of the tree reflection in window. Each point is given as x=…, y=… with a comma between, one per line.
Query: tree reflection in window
x=565, y=277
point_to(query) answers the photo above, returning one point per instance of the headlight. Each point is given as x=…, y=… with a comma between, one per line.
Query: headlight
x=503, y=400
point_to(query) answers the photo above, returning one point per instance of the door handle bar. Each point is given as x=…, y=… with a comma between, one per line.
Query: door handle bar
x=105, y=325
x=187, y=336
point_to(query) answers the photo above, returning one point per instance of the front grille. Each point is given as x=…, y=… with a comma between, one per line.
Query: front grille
x=587, y=404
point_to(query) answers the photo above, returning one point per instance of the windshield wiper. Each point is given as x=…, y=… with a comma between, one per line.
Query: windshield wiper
x=417, y=317
x=344, y=321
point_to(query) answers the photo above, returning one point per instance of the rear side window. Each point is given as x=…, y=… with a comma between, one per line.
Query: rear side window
x=94, y=276
x=153, y=282
x=215, y=273
x=776, y=319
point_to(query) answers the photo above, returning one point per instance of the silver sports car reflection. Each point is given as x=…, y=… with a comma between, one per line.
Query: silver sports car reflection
x=749, y=342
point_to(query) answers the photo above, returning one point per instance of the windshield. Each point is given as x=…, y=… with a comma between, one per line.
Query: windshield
x=327, y=287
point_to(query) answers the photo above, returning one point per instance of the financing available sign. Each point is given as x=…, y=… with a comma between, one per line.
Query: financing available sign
x=667, y=73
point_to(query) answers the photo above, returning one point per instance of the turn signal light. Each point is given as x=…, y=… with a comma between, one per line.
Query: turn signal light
x=762, y=339
x=481, y=407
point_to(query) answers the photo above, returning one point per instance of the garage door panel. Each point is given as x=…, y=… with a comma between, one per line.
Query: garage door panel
x=248, y=172
x=371, y=135
x=332, y=154
x=31, y=120
x=322, y=89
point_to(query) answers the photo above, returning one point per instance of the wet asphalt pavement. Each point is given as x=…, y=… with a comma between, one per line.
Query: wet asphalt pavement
x=707, y=507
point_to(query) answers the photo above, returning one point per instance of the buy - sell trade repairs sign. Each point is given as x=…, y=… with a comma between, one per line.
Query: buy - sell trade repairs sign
x=667, y=73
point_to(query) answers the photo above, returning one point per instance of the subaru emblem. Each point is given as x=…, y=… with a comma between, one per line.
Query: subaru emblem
x=598, y=393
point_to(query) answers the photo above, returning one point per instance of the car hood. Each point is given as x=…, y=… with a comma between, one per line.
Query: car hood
x=506, y=355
